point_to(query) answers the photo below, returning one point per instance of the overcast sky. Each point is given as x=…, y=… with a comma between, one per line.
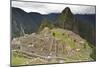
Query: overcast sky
x=46, y=8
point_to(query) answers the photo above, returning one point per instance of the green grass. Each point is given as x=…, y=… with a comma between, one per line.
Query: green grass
x=18, y=60
x=64, y=38
x=84, y=54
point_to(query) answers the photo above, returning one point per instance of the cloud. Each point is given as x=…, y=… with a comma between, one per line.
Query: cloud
x=46, y=8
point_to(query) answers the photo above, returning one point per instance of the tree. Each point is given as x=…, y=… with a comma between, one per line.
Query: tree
x=45, y=23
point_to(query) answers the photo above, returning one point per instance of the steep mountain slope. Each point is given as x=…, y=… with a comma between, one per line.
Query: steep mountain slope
x=52, y=38
x=67, y=20
x=22, y=21
x=90, y=18
x=27, y=23
x=50, y=46
x=78, y=24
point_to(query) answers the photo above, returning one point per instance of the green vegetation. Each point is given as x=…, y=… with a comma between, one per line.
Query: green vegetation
x=64, y=38
x=93, y=54
x=65, y=20
x=86, y=53
x=46, y=23
x=18, y=59
x=75, y=52
x=87, y=32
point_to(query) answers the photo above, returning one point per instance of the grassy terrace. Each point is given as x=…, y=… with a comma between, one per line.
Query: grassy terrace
x=83, y=54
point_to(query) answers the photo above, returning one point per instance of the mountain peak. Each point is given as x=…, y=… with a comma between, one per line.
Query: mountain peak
x=67, y=11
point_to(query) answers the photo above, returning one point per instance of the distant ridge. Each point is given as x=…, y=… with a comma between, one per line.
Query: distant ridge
x=66, y=19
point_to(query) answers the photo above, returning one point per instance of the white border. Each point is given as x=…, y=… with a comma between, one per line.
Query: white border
x=5, y=33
